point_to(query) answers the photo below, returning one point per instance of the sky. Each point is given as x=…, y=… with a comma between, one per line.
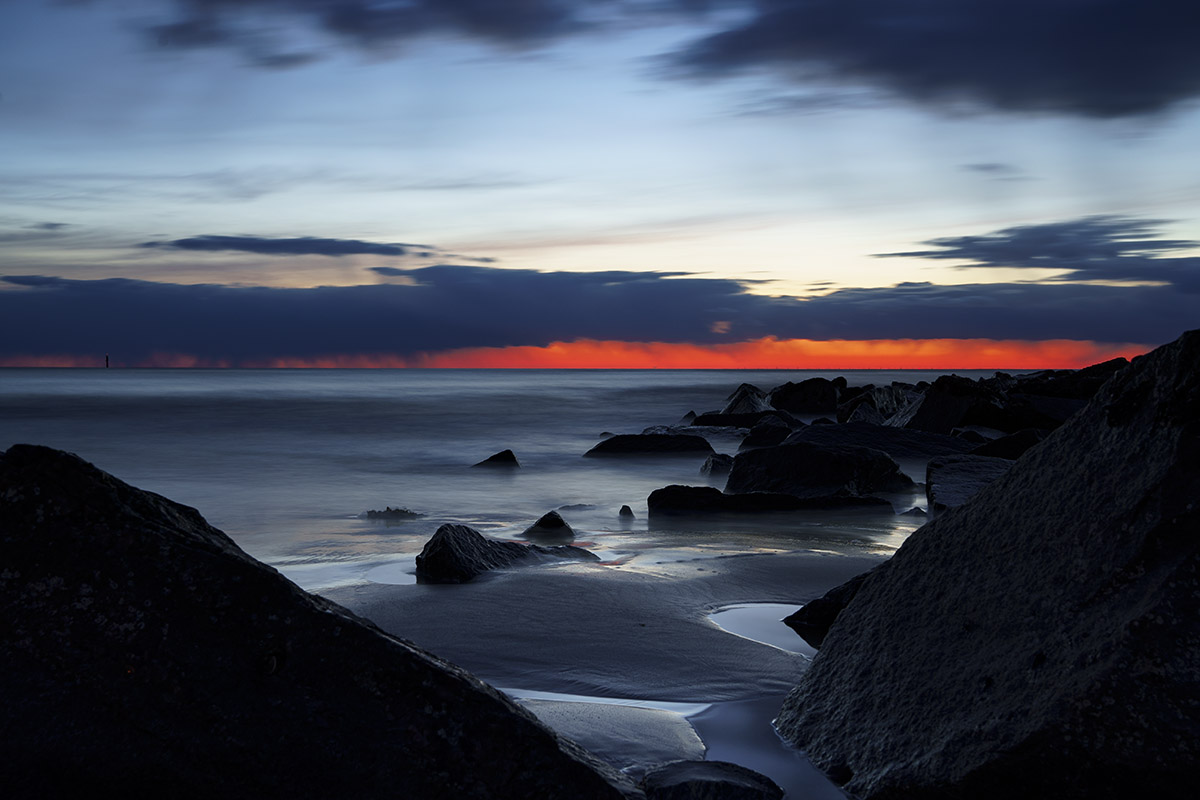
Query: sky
x=784, y=184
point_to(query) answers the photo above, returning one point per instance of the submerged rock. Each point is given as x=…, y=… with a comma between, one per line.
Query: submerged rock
x=458, y=553
x=1042, y=639
x=650, y=444
x=505, y=458
x=625, y=513
x=708, y=780
x=805, y=469
x=550, y=527
x=682, y=500
x=389, y=513
x=145, y=655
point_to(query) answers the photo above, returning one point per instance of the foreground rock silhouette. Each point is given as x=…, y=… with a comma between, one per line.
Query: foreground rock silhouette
x=144, y=655
x=1043, y=639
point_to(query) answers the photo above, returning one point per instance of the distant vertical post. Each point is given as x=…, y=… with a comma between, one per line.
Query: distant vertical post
x=106, y=360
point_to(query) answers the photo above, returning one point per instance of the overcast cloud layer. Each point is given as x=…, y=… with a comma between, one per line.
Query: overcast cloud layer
x=1095, y=58
x=465, y=306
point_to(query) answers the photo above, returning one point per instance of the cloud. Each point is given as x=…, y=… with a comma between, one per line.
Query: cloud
x=451, y=307
x=1094, y=58
x=252, y=26
x=1097, y=248
x=296, y=246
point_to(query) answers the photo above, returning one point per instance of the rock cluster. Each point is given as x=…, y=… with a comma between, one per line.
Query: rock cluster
x=1042, y=639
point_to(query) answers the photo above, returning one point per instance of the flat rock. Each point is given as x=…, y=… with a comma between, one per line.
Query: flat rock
x=899, y=443
x=651, y=444
x=805, y=469
x=708, y=780
x=950, y=402
x=717, y=419
x=458, y=553
x=812, y=396
x=951, y=481
x=1041, y=640
x=550, y=527
x=145, y=655
x=505, y=458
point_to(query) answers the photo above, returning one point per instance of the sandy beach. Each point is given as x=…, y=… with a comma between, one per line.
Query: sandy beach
x=627, y=661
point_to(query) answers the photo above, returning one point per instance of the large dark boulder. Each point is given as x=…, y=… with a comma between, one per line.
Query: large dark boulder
x=805, y=469
x=767, y=433
x=1041, y=640
x=1077, y=384
x=899, y=443
x=144, y=655
x=651, y=444
x=812, y=396
x=1012, y=446
x=680, y=500
x=716, y=465
x=458, y=553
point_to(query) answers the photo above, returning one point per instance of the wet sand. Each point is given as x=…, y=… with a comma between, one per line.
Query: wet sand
x=642, y=636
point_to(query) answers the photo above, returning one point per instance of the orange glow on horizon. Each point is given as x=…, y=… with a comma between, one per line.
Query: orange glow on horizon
x=768, y=353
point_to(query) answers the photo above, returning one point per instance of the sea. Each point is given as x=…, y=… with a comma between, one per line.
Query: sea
x=289, y=462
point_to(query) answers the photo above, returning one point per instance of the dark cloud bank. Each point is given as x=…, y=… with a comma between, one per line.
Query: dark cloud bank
x=1096, y=58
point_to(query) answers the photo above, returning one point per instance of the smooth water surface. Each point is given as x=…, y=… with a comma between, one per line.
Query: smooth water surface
x=287, y=461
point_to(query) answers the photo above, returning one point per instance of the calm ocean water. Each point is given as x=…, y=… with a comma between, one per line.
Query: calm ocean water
x=287, y=461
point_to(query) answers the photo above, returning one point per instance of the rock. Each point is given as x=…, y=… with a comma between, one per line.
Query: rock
x=1012, y=446
x=676, y=500
x=625, y=513
x=864, y=412
x=915, y=511
x=505, y=458
x=813, y=620
x=812, y=396
x=805, y=469
x=708, y=780
x=747, y=399
x=389, y=513
x=458, y=553
x=650, y=444
x=718, y=420
x=1041, y=640
x=1077, y=384
x=145, y=655
x=970, y=435
x=823, y=421
x=767, y=433
x=951, y=402
x=896, y=442
x=688, y=418
x=717, y=464
x=951, y=481
x=551, y=527
x=875, y=402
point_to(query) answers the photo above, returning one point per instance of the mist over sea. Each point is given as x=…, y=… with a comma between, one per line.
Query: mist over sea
x=287, y=461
